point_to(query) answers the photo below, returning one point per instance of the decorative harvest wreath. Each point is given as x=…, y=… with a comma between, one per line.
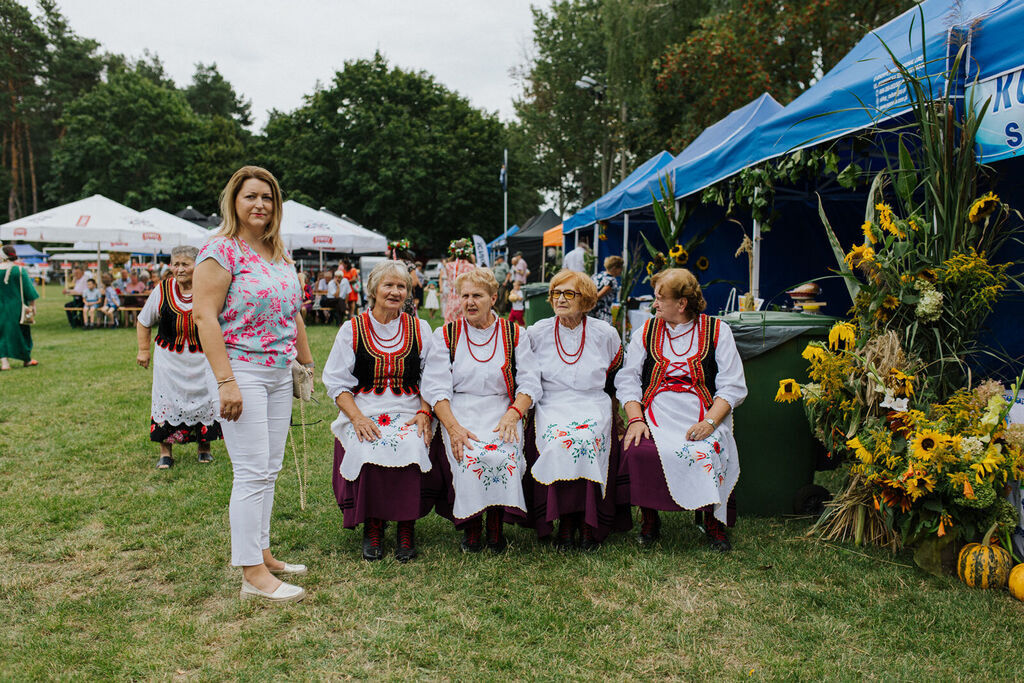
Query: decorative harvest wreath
x=462, y=248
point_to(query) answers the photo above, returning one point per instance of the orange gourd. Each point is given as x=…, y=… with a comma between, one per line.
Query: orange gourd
x=960, y=558
x=1016, y=582
x=985, y=565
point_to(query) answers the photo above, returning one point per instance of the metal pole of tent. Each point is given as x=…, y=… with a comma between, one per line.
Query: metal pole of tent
x=505, y=195
x=755, y=270
x=623, y=309
x=321, y=260
x=597, y=248
x=755, y=274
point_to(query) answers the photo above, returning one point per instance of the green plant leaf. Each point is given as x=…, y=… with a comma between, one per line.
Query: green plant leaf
x=852, y=284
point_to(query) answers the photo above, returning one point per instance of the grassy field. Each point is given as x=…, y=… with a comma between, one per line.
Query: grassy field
x=112, y=569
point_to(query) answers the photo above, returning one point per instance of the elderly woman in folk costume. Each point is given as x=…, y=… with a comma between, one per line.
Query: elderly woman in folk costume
x=183, y=409
x=681, y=380
x=382, y=466
x=571, y=445
x=462, y=258
x=481, y=379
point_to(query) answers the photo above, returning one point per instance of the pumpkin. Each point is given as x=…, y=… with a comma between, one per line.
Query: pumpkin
x=1016, y=582
x=985, y=565
x=960, y=558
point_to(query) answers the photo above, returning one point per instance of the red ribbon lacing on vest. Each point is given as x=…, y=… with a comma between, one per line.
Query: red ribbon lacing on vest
x=676, y=379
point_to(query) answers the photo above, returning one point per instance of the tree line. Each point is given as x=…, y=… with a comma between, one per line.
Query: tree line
x=394, y=148
x=665, y=70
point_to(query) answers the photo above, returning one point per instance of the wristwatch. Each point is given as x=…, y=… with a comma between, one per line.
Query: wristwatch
x=710, y=422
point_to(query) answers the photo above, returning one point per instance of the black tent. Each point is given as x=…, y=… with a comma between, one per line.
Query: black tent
x=530, y=241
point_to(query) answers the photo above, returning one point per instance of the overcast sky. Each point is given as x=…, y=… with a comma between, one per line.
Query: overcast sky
x=274, y=52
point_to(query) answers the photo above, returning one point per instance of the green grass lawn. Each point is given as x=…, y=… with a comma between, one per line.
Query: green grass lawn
x=112, y=569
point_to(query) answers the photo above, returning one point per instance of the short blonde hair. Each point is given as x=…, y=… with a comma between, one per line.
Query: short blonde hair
x=581, y=282
x=679, y=283
x=481, y=277
x=232, y=225
x=382, y=270
x=613, y=262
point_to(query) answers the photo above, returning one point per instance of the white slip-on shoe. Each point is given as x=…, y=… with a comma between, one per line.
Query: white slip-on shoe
x=286, y=592
x=293, y=569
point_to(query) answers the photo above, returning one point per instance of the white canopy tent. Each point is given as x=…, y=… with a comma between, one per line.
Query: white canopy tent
x=303, y=227
x=164, y=232
x=93, y=219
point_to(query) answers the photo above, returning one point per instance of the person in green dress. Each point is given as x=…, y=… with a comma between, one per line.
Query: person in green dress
x=15, y=288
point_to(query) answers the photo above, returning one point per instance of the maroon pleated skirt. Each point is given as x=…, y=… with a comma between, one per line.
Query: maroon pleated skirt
x=641, y=481
x=546, y=503
x=396, y=494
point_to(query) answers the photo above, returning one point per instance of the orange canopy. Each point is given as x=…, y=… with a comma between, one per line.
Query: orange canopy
x=553, y=237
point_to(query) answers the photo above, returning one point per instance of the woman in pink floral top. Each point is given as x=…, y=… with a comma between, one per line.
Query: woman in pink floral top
x=246, y=307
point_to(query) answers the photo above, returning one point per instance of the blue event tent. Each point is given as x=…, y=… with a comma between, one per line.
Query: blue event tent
x=588, y=214
x=29, y=254
x=864, y=89
x=499, y=241
x=731, y=130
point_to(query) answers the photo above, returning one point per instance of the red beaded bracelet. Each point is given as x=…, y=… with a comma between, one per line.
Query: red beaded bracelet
x=512, y=407
x=425, y=412
x=635, y=419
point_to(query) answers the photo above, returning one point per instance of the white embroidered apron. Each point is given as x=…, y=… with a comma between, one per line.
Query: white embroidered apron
x=574, y=431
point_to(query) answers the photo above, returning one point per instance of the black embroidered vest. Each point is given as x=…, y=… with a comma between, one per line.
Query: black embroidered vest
x=376, y=370
x=508, y=332
x=176, y=329
x=702, y=365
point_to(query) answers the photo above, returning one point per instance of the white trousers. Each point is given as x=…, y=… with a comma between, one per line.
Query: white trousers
x=255, y=444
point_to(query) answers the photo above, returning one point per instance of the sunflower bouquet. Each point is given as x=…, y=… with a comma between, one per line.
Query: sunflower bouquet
x=923, y=468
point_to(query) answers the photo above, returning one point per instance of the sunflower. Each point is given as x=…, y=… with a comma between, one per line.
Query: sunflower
x=858, y=449
x=650, y=269
x=860, y=255
x=842, y=332
x=918, y=483
x=903, y=384
x=884, y=216
x=894, y=229
x=680, y=255
x=890, y=302
x=912, y=224
x=869, y=232
x=788, y=392
x=925, y=443
x=813, y=353
x=703, y=263
x=983, y=207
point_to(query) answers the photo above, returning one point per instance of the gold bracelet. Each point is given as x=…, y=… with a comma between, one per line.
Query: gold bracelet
x=222, y=382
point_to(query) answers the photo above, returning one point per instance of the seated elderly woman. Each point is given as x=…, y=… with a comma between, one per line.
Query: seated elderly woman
x=481, y=379
x=572, y=446
x=681, y=380
x=382, y=468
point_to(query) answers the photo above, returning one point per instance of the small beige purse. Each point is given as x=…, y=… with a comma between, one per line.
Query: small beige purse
x=28, y=313
x=302, y=381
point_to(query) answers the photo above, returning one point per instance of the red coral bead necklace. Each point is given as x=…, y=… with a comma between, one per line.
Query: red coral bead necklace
x=574, y=357
x=470, y=343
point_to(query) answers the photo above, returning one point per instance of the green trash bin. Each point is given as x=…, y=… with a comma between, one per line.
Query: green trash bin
x=535, y=298
x=778, y=454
